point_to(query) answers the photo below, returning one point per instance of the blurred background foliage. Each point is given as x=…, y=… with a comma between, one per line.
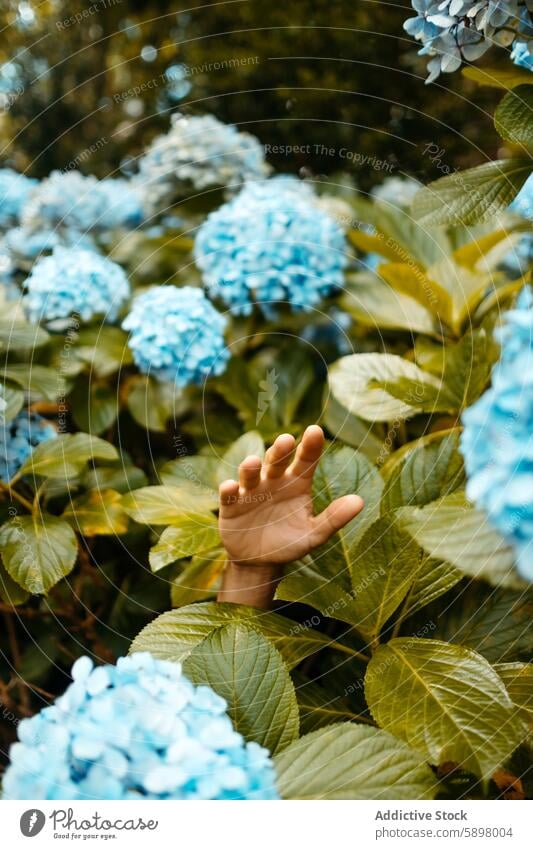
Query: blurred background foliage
x=87, y=85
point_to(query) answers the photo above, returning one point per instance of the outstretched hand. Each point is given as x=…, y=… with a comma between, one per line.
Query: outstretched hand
x=266, y=518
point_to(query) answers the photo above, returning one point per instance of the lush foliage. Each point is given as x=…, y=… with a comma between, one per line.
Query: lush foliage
x=153, y=339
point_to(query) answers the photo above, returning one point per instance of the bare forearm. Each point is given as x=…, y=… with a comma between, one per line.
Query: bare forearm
x=252, y=585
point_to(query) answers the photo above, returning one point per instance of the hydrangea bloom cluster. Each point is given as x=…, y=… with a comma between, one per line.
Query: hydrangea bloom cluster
x=497, y=441
x=520, y=257
x=18, y=438
x=271, y=244
x=68, y=199
x=453, y=31
x=14, y=192
x=27, y=244
x=199, y=153
x=396, y=191
x=72, y=281
x=136, y=730
x=176, y=334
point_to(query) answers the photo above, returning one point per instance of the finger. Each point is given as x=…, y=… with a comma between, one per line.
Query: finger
x=308, y=452
x=250, y=472
x=279, y=455
x=334, y=517
x=228, y=492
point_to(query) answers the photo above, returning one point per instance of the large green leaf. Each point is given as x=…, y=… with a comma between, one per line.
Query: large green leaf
x=375, y=304
x=249, y=673
x=191, y=533
x=173, y=635
x=153, y=402
x=467, y=367
x=39, y=381
x=467, y=197
x=347, y=761
x=97, y=513
x=412, y=281
x=518, y=680
x=94, y=405
x=353, y=379
x=433, y=579
x=199, y=579
x=248, y=443
x=507, y=77
x=318, y=707
x=38, y=551
x=512, y=118
x=103, y=348
x=165, y=505
x=66, y=456
x=495, y=623
x=445, y=701
x=11, y=592
x=422, y=471
x=19, y=335
x=350, y=429
x=452, y=530
x=14, y=399
x=383, y=567
x=306, y=583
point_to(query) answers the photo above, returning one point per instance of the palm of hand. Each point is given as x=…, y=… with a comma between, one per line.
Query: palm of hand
x=269, y=519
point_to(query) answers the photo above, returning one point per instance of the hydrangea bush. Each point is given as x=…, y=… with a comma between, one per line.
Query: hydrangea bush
x=149, y=346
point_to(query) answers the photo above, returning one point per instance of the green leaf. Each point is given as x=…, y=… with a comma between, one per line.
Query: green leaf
x=173, y=635
x=165, y=505
x=38, y=381
x=351, y=379
x=11, y=592
x=97, y=513
x=38, y=551
x=467, y=197
x=198, y=579
x=20, y=335
x=248, y=443
x=505, y=78
x=350, y=429
x=121, y=478
x=411, y=281
x=14, y=399
x=94, y=405
x=347, y=761
x=495, y=623
x=193, y=474
x=372, y=302
x=344, y=471
x=191, y=533
x=66, y=456
x=249, y=673
x=384, y=566
x=518, y=680
x=307, y=583
x=512, y=118
x=422, y=471
x=103, y=348
x=451, y=529
x=433, y=579
x=425, y=397
x=467, y=367
x=445, y=701
x=153, y=402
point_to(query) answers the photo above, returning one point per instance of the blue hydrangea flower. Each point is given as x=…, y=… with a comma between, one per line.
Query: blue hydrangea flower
x=453, y=31
x=176, y=334
x=18, y=438
x=521, y=55
x=26, y=244
x=136, y=730
x=14, y=192
x=68, y=199
x=199, y=153
x=271, y=243
x=518, y=260
x=396, y=191
x=73, y=281
x=497, y=441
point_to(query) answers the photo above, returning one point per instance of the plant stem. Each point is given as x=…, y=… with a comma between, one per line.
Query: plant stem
x=13, y=494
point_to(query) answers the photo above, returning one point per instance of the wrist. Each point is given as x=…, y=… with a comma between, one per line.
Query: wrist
x=252, y=585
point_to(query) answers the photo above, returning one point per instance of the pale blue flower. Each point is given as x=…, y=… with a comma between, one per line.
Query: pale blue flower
x=71, y=200
x=453, y=31
x=521, y=55
x=136, y=730
x=396, y=191
x=271, y=244
x=18, y=438
x=198, y=154
x=497, y=441
x=14, y=192
x=176, y=334
x=73, y=281
x=26, y=244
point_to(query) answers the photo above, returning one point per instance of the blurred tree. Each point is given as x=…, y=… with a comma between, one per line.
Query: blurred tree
x=87, y=84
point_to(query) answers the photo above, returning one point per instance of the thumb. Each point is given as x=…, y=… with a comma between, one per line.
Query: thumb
x=334, y=517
